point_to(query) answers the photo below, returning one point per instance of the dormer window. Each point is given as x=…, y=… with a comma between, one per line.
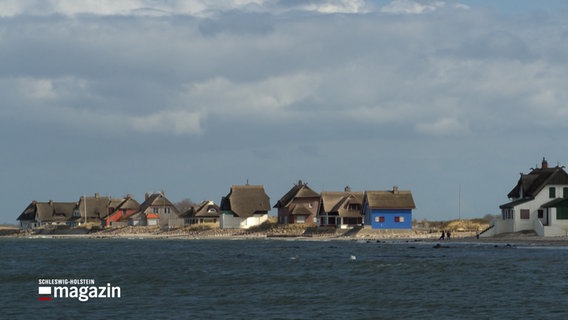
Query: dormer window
x=353, y=206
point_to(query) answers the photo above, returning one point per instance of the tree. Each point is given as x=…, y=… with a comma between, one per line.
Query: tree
x=184, y=205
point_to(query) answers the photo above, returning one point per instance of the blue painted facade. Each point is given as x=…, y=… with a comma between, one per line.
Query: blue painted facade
x=388, y=218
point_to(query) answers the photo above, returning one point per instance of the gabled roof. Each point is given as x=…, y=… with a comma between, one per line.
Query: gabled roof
x=392, y=199
x=97, y=207
x=529, y=185
x=48, y=211
x=338, y=203
x=156, y=200
x=204, y=209
x=124, y=203
x=557, y=203
x=300, y=210
x=515, y=203
x=300, y=190
x=245, y=201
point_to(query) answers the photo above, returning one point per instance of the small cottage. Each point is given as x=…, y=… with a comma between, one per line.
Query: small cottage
x=203, y=213
x=299, y=205
x=156, y=210
x=539, y=202
x=38, y=214
x=245, y=206
x=390, y=209
x=341, y=209
x=91, y=209
x=120, y=209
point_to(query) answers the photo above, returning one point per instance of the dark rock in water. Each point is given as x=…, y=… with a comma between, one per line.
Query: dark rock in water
x=439, y=246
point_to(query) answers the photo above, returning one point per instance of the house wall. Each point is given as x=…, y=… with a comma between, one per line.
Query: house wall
x=387, y=218
x=560, y=223
x=229, y=221
x=518, y=224
x=28, y=224
x=285, y=217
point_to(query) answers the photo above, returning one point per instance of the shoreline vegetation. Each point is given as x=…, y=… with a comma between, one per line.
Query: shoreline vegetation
x=291, y=232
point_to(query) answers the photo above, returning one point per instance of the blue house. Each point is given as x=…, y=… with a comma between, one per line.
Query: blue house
x=390, y=209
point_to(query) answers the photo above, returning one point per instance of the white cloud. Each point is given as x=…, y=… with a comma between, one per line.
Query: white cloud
x=418, y=7
x=37, y=89
x=263, y=98
x=166, y=121
x=336, y=6
x=443, y=126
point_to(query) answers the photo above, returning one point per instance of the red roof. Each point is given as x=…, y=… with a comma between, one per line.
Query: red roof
x=152, y=216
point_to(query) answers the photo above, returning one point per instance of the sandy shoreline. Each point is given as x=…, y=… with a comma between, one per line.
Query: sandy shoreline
x=299, y=234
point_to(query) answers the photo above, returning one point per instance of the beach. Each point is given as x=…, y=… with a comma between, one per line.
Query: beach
x=290, y=232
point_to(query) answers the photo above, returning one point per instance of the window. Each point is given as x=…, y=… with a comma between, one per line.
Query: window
x=310, y=205
x=300, y=219
x=353, y=206
x=76, y=213
x=400, y=219
x=540, y=213
x=396, y=219
x=565, y=192
x=156, y=210
x=525, y=214
x=562, y=213
x=508, y=214
x=552, y=192
x=380, y=219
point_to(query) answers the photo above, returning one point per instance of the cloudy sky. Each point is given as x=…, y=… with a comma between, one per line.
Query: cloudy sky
x=191, y=97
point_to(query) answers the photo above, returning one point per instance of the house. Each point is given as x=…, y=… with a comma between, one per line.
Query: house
x=245, y=206
x=205, y=212
x=539, y=202
x=340, y=209
x=39, y=214
x=120, y=209
x=390, y=209
x=156, y=210
x=91, y=209
x=299, y=205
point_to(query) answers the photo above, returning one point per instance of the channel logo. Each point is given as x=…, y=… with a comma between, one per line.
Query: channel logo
x=82, y=290
x=44, y=293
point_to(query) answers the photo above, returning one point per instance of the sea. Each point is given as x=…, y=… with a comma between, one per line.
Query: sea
x=279, y=279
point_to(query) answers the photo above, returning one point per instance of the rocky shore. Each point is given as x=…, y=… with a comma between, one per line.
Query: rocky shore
x=275, y=231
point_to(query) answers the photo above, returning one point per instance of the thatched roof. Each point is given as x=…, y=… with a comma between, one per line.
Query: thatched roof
x=206, y=208
x=246, y=200
x=96, y=207
x=48, y=211
x=392, y=199
x=156, y=200
x=342, y=203
x=300, y=190
x=529, y=185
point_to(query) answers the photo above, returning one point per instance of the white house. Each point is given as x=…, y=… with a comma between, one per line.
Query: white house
x=539, y=202
x=244, y=207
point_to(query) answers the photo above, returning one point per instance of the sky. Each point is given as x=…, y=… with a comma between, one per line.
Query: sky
x=448, y=99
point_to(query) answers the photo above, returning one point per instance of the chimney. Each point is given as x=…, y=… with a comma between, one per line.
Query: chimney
x=347, y=189
x=97, y=195
x=544, y=163
x=51, y=203
x=395, y=189
x=146, y=196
